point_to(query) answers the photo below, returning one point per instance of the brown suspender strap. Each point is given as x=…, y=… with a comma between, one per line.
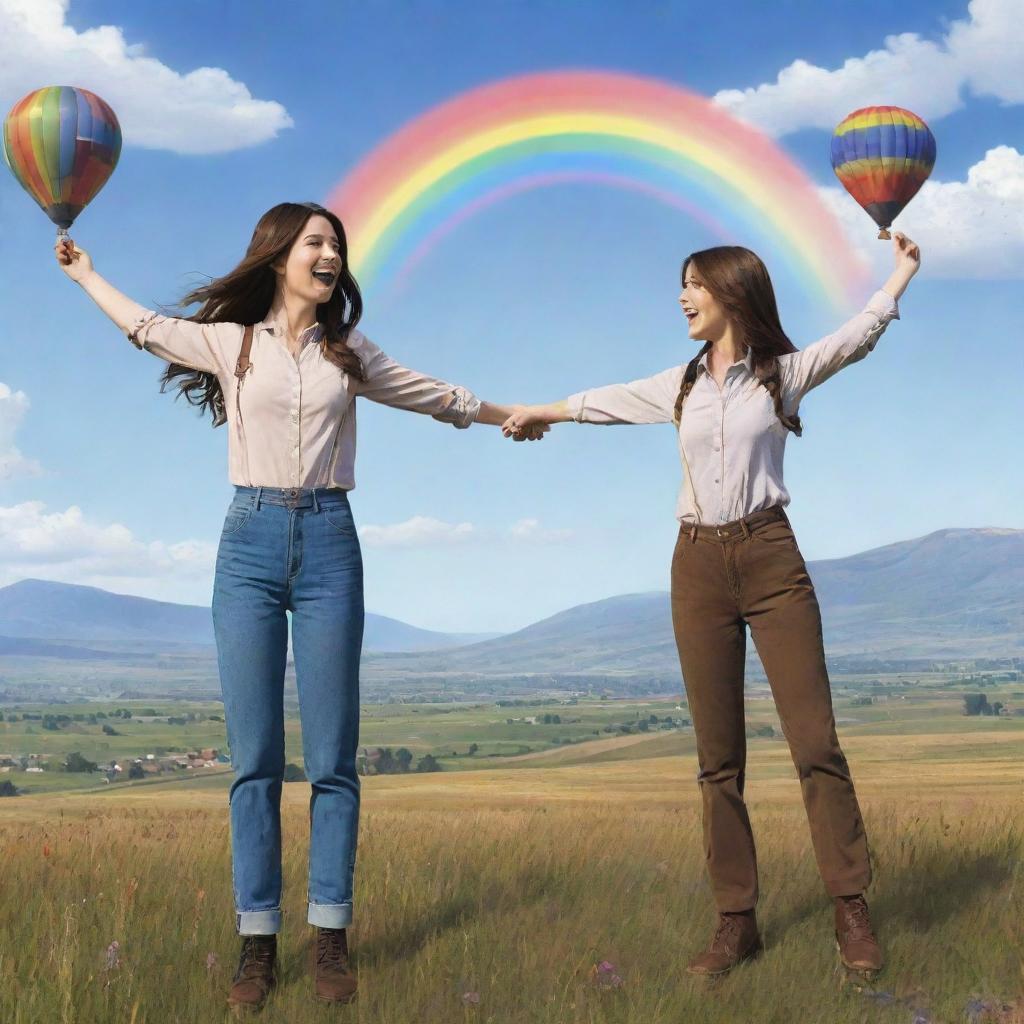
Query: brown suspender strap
x=242, y=366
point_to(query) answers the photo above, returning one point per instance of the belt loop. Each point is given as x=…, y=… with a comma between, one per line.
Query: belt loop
x=316, y=505
x=693, y=534
x=259, y=494
x=745, y=529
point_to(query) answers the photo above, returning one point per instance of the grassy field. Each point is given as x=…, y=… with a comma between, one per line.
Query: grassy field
x=494, y=895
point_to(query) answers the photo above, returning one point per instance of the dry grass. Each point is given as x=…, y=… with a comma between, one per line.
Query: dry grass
x=508, y=886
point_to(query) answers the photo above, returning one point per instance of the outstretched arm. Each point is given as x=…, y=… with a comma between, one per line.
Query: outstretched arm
x=523, y=419
x=200, y=346
x=77, y=264
x=498, y=415
x=390, y=383
x=649, y=400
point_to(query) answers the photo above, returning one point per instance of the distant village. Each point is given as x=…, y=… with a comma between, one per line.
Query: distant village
x=116, y=770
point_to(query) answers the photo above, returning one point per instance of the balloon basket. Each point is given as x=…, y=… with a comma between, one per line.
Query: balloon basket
x=62, y=235
x=884, y=234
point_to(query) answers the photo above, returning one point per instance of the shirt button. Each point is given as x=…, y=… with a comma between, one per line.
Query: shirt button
x=717, y=481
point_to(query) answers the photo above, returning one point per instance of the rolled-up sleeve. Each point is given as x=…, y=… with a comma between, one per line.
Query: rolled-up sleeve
x=392, y=384
x=801, y=371
x=179, y=341
x=648, y=400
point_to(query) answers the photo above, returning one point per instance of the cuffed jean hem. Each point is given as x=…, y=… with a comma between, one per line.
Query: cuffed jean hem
x=258, y=922
x=330, y=915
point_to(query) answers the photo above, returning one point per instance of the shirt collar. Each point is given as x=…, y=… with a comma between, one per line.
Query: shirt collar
x=313, y=333
x=747, y=361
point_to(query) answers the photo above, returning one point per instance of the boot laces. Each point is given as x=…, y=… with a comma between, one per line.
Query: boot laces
x=256, y=956
x=726, y=933
x=858, y=923
x=331, y=948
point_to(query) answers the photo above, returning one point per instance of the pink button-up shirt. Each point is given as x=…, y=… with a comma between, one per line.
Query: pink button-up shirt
x=293, y=421
x=731, y=442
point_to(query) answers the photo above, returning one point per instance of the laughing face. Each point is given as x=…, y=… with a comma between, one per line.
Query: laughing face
x=311, y=268
x=704, y=313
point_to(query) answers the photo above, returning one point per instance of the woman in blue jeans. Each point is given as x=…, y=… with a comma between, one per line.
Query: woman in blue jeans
x=273, y=352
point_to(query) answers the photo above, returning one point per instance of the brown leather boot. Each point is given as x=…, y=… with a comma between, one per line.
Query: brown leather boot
x=735, y=940
x=256, y=974
x=858, y=947
x=333, y=977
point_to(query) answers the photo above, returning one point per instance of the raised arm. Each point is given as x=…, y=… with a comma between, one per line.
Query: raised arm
x=801, y=371
x=77, y=264
x=175, y=340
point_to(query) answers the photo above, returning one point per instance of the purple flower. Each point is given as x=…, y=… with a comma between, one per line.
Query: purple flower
x=211, y=961
x=603, y=975
x=113, y=960
x=471, y=998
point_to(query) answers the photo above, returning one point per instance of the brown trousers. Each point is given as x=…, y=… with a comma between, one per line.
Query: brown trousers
x=752, y=573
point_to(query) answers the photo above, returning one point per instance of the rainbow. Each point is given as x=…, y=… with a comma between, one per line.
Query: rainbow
x=499, y=140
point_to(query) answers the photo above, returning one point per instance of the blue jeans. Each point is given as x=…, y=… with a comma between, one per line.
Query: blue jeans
x=290, y=551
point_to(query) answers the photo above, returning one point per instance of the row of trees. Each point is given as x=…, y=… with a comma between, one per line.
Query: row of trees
x=95, y=717
x=90, y=717
x=399, y=762
x=977, y=704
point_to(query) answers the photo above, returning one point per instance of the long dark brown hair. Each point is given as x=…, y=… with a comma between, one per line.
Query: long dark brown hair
x=738, y=279
x=244, y=296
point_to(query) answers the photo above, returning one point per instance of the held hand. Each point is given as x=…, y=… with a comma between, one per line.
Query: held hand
x=525, y=424
x=907, y=253
x=75, y=262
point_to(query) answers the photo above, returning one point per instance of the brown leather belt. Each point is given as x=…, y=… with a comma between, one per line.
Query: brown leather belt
x=738, y=527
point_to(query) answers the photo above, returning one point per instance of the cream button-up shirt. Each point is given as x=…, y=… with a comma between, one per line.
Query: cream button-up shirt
x=731, y=442
x=292, y=422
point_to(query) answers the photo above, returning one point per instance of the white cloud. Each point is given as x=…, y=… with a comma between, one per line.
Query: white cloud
x=66, y=546
x=201, y=111
x=422, y=531
x=980, y=54
x=419, y=531
x=531, y=530
x=13, y=406
x=966, y=229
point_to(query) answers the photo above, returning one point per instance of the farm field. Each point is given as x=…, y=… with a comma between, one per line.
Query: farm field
x=528, y=732
x=496, y=892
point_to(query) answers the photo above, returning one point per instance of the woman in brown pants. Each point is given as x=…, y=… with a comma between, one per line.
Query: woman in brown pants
x=737, y=564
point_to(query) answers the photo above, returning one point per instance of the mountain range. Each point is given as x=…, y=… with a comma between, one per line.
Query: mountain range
x=69, y=613
x=953, y=594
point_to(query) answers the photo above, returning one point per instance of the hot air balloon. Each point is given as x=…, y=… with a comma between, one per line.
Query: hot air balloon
x=882, y=156
x=61, y=143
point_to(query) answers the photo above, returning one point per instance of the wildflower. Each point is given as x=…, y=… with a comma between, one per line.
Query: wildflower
x=211, y=961
x=471, y=998
x=113, y=959
x=603, y=975
x=46, y=849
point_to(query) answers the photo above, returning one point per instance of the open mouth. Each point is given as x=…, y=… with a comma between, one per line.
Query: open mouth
x=690, y=315
x=325, y=277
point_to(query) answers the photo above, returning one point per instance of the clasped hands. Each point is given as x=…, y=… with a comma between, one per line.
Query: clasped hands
x=525, y=424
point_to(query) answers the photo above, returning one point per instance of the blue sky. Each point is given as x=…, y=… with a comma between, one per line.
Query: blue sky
x=104, y=481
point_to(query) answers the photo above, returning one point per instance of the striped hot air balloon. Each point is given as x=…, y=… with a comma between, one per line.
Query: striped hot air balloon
x=61, y=143
x=882, y=156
